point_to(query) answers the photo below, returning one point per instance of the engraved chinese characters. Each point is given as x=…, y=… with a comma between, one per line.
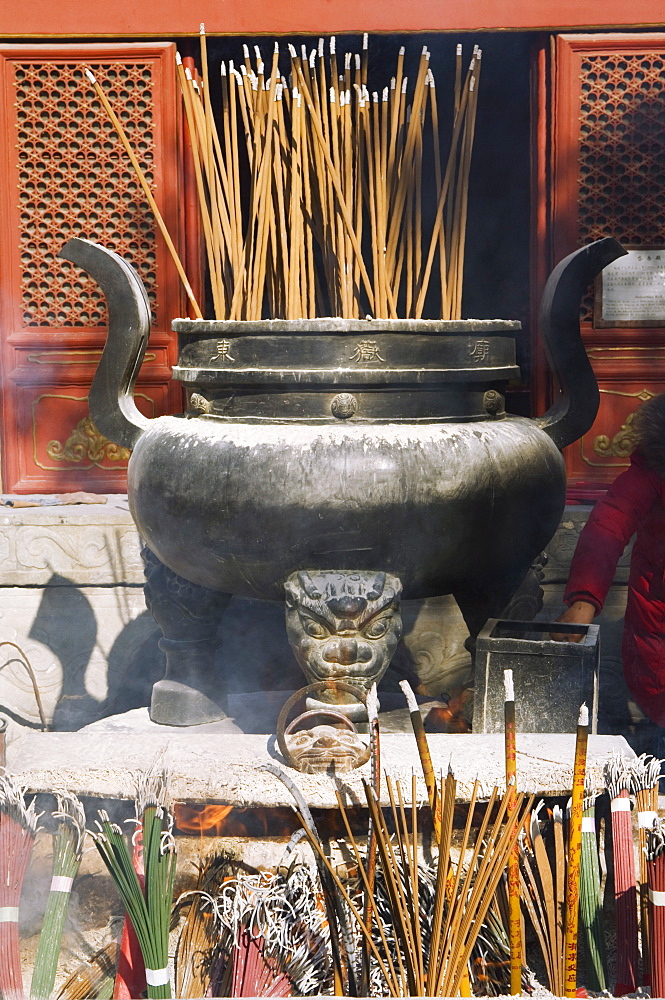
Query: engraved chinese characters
x=366, y=352
x=480, y=351
x=223, y=351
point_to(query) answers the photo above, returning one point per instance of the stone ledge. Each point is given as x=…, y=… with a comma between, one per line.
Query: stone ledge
x=80, y=544
x=209, y=767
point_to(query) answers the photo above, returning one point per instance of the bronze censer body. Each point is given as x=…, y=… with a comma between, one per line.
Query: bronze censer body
x=336, y=465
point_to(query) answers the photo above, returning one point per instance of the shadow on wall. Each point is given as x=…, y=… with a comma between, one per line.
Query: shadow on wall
x=97, y=681
x=94, y=657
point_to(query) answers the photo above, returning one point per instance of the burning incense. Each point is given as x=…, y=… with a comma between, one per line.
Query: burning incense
x=93, y=978
x=455, y=925
x=196, y=957
x=617, y=781
x=330, y=162
x=424, y=754
x=18, y=826
x=67, y=853
x=372, y=705
x=574, y=853
x=514, y=912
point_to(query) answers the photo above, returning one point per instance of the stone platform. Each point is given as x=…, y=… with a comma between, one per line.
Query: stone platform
x=103, y=761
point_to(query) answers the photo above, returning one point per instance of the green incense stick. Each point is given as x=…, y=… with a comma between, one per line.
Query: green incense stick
x=67, y=852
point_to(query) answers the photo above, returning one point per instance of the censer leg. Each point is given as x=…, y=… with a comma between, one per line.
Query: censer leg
x=190, y=693
x=343, y=625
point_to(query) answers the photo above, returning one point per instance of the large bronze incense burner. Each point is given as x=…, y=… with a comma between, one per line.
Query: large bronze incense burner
x=337, y=463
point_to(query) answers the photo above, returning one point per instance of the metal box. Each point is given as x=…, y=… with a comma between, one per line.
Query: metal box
x=552, y=679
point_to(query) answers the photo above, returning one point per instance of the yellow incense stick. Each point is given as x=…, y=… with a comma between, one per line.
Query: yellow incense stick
x=514, y=914
x=574, y=853
x=146, y=190
x=432, y=794
x=424, y=754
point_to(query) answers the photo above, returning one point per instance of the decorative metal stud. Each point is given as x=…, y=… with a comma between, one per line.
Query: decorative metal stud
x=344, y=405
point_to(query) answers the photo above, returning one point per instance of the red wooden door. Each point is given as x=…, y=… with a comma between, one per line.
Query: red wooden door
x=65, y=174
x=601, y=172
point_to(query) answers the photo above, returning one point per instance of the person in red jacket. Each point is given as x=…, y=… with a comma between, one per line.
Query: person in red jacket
x=634, y=504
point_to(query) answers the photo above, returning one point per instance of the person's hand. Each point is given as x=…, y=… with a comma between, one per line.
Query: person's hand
x=579, y=613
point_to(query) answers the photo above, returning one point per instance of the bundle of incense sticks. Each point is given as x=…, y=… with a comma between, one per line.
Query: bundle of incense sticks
x=617, y=775
x=543, y=880
x=645, y=775
x=149, y=906
x=196, y=962
x=18, y=826
x=130, y=978
x=656, y=879
x=68, y=844
x=591, y=900
x=407, y=967
x=273, y=934
x=311, y=188
x=93, y=978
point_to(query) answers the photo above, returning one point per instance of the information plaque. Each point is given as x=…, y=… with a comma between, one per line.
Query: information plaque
x=630, y=292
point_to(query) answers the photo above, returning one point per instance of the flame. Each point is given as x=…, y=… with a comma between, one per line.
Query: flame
x=213, y=820
x=207, y=819
x=449, y=718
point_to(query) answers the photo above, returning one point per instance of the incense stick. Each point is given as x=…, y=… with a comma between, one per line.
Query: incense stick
x=67, y=853
x=645, y=776
x=146, y=189
x=424, y=754
x=617, y=781
x=591, y=901
x=574, y=852
x=514, y=912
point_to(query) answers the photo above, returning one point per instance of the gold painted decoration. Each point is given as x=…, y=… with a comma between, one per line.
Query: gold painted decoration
x=621, y=445
x=86, y=442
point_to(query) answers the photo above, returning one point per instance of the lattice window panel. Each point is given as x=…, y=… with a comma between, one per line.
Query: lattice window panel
x=622, y=149
x=75, y=179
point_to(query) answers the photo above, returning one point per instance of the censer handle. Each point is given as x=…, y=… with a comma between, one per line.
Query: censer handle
x=111, y=397
x=574, y=412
